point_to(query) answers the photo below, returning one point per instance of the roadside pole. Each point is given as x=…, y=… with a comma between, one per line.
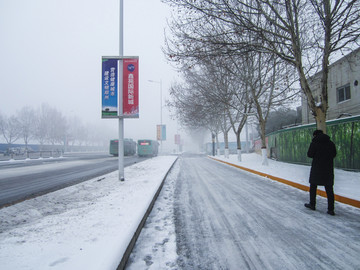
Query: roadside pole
x=120, y=90
x=121, y=119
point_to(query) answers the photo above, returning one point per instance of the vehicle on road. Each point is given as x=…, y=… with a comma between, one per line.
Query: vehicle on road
x=147, y=148
x=129, y=147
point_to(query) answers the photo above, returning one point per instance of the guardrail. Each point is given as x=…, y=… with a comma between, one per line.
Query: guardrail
x=31, y=155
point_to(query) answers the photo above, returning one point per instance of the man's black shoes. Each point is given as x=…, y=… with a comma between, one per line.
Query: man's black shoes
x=312, y=207
x=308, y=205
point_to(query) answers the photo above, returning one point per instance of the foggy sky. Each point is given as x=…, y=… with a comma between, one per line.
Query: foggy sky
x=51, y=51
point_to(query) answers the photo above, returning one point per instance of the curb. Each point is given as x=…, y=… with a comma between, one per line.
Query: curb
x=321, y=193
x=131, y=245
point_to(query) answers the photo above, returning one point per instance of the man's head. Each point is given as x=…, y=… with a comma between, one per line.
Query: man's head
x=317, y=132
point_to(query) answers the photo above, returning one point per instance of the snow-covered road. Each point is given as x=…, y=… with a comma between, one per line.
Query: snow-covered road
x=229, y=219
x=209, y=215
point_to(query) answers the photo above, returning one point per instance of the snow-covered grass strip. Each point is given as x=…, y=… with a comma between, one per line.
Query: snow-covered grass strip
x=85, y=226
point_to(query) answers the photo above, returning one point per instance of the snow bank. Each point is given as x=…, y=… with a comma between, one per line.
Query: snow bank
x=346, y=184
x=85, y=226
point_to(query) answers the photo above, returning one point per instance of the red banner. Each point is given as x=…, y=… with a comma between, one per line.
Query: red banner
x=131, y=88
x=158, y=132
x=177, y=139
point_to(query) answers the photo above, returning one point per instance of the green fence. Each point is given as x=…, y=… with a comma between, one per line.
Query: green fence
x=291, y=145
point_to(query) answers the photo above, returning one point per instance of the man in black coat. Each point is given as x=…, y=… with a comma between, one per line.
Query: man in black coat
x=323, y=151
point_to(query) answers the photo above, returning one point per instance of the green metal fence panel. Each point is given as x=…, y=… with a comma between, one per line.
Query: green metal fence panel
x=291, y=145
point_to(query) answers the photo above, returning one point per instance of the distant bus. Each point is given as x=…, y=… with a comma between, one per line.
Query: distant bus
x=129, y=147
x=147, y=148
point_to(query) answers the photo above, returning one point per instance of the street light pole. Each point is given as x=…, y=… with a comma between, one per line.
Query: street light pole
x=121, y=119
x=160, y=82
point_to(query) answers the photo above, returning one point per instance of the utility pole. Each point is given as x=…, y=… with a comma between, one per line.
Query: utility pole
x=121, y=119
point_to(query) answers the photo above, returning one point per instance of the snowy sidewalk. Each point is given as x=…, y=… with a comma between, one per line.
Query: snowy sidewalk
x=347, y=184
x=85, y=226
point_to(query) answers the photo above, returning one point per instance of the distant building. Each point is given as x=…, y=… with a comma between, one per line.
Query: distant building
x=343, y=89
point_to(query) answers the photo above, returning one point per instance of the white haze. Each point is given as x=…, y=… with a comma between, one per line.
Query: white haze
x=51, y=53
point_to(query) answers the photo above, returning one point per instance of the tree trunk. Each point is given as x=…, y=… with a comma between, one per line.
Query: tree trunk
x=318, y=110
x=262, y=134
x=263, y=144
x=226, y=141
x=265, y=161
x=238, y=143
x=320, y=119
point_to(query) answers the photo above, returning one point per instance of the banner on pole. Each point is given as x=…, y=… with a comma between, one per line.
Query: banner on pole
x=109, y=89
x=131, y=88
x=161, y=132
x=114, y=93
x=158, y=132
x=177, y=139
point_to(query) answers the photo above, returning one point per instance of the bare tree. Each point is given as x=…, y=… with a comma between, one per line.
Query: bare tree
x=27, y=119
x=2, y=123
x=242, y=102
x=224, y=86
x=75, y=131
x=46, y=124
x=9, y=127
x=216, y=83
x=304, y=33
x=189, y=106
x=193, y=109
x=57, y=126
x=263, y=77
x=201, y=42
x=42, y=125
x=255, y=78
x=283, y=117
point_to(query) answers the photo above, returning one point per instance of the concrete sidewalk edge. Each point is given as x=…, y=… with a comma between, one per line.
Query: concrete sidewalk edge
x=322, y=193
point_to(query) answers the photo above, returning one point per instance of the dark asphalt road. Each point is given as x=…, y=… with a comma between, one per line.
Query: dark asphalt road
x=21, y=180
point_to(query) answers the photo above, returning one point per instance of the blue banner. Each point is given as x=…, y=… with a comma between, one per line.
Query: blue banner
x=109, y=89
x=163, y=133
